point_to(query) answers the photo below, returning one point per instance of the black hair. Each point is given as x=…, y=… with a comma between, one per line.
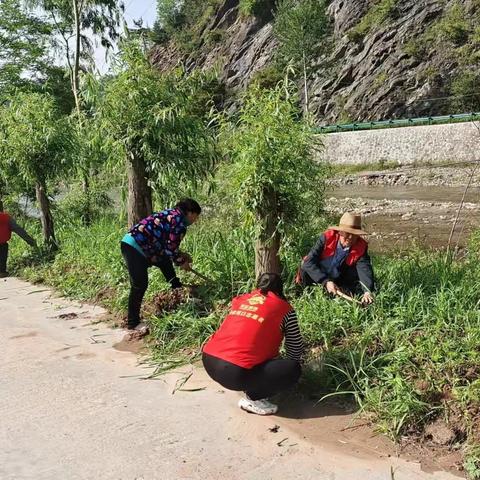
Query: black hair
x=187, y=205
x=270, y=282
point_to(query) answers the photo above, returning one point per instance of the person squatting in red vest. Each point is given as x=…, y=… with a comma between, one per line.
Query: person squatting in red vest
x=7, y=226
x=340, y=261
x=243, y=354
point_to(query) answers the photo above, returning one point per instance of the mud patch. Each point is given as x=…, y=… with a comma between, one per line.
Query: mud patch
x=25, y=335
x=129, y=344
x=434, y=459
x=67, y=316
x=333, y=424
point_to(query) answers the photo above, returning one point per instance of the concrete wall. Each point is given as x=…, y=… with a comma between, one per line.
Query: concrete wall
x=405, y=145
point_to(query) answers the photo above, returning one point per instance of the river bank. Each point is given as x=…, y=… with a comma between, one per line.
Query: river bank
x=405, y=205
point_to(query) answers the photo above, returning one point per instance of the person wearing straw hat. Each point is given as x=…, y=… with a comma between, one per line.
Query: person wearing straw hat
x=339, y=261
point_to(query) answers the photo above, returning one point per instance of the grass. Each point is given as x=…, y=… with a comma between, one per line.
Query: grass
x=410, y=358
x=337, y=170
x=377, y=14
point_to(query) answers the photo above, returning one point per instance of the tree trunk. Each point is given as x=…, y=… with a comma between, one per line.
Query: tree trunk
x=305, y=87
x=139, y=192
x=267, y=245
x=76, y=64
x=45, y=216
x=87, y=214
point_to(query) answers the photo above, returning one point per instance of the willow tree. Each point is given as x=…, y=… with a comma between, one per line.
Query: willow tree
x=279, y=182
x=24, y=47
x=78, y=25
x=158, y=122
x=34, y=144
x=301, y=27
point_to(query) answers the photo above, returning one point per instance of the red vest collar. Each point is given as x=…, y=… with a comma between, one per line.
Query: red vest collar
x=356, y=251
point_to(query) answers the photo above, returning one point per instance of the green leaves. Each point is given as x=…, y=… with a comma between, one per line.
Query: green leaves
x=273, y=151
x=34, y=138
x=159, y=117
x=300, y=27
x=24, y=41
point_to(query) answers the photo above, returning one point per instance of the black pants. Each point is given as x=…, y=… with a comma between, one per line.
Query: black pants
x=261, y=381
x=137, y=266
x=348, y=281
x=3, y=257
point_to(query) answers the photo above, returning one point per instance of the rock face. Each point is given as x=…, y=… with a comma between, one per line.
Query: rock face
x=245, y=47
x=382, y=72
x=373, y=78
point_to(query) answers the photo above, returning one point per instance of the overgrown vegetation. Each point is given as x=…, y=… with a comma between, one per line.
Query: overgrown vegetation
x=183, y=23
x=379, y=12
x=257, y=8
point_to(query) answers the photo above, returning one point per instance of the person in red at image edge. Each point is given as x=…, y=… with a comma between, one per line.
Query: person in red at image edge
x=243, y=354
x=155, y=241
x=7, y=227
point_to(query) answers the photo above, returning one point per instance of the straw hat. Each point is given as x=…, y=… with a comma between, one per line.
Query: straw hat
x=350, y=223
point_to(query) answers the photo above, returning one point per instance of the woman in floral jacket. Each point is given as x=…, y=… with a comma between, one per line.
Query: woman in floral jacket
x=155, y=241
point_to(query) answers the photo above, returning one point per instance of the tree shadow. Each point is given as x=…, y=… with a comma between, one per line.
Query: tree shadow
x=35, y=258
x=297, y=406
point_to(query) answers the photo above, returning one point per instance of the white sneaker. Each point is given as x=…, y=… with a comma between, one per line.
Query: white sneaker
x=260, y=407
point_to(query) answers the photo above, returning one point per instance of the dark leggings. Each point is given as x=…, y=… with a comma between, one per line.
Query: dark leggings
x=348, y=282
x=137, y=266
x=261, y=381
x=3, y=257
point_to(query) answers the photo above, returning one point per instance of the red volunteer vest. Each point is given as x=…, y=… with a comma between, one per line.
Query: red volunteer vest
x=251, y=333
x=356, y=251
x=5, y=230
x=331, y=239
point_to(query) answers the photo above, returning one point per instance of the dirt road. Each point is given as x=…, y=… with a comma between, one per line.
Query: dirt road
x=73, y=407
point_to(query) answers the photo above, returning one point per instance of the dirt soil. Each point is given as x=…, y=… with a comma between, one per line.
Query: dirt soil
x=75, y=407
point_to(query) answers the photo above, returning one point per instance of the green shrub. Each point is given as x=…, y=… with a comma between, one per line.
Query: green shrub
x=267, y=77
x=78, y=205
x=257, y=8
x=453, y=26
x=214, y=36
x=466, y=87
x=378, y=13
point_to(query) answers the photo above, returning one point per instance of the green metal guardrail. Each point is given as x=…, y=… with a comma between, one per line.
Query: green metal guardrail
x=407, y=122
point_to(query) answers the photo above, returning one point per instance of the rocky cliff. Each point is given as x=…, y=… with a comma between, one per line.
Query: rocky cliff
x=389, y=58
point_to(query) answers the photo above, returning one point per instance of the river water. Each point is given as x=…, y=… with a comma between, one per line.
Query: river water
x=396, y=216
